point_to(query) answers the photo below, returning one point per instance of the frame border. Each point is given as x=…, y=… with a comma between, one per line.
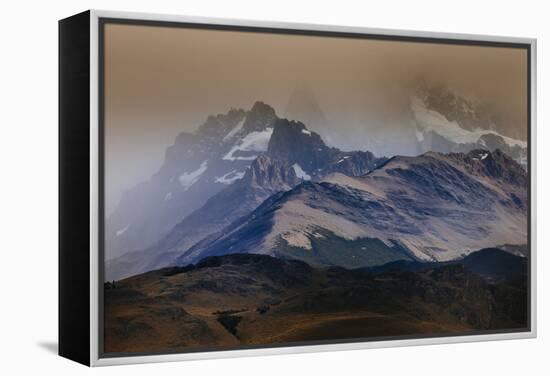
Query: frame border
x=97, y=359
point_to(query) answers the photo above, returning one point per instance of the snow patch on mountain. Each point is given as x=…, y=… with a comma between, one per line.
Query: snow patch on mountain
x=235, y=130
x=481, y=156
x=305, y=131
x=428, y=120
x=254, y=141
x=229, y=178
x=122, y=230
x=189, y=178
x=300, y=172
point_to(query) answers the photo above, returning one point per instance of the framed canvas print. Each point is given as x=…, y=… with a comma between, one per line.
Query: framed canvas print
x=232, y=188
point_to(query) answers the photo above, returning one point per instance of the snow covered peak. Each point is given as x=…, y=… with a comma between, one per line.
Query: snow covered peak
x=446, y=128
x=260, y=117
x=429, y=120
x=249, y=147
x=217, y=126
x=235, y=130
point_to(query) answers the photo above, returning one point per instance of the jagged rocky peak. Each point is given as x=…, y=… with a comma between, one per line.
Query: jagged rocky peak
x=228, y=127
x=260, y=117
x=293, y=142
x=407, y=198
x=354, y=163
x=185, y=139
x=268, y=172
x=498, y=164
x=493, y=164
x=217, y=126
x=311, y=158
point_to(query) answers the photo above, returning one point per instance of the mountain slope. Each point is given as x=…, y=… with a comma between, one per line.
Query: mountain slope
x=196, y=166
x=433, y=207
x=278, y=168
x=262, y=179
x=201, y=164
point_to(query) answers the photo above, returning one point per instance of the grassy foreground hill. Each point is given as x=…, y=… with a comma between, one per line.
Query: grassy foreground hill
x=246, y=299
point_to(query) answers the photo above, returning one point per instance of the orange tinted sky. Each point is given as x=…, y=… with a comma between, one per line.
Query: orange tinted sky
x=162, y=80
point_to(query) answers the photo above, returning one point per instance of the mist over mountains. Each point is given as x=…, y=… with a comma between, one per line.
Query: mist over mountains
x=232, y=170
x=277, y=190
x=257, y=231
x=446, y=122
x=196, y=166
x=216, y=186
x=430, y=118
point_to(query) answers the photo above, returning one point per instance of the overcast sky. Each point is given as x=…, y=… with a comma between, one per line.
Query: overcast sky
x=160, y=81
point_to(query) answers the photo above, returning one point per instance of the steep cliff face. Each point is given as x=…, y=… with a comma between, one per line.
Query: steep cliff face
x=269, y=175
x=311, y=157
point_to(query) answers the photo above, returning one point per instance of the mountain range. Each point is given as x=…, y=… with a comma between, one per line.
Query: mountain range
x=438, y=118
x=262, y=179
x=249, y=181
x=195, y=167
x=434, y=207
x=260, y=156
x=254, y=231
